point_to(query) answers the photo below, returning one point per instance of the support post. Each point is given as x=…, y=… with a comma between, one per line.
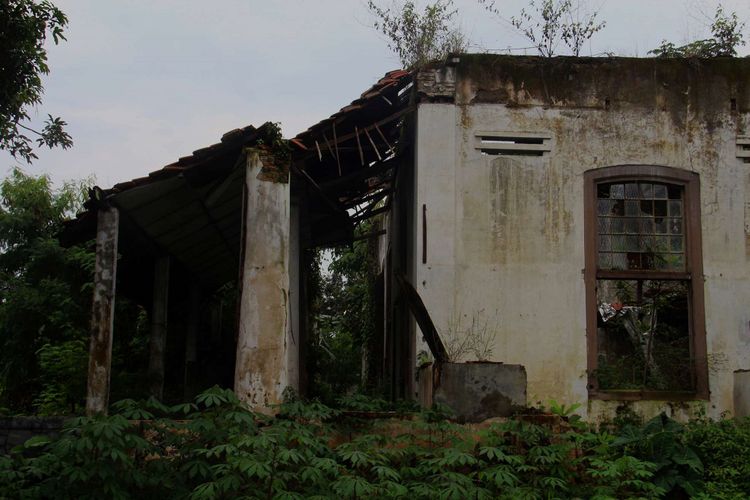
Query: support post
x=191, y=340
x=158, y=337
x=267, y=346
x=102, y=312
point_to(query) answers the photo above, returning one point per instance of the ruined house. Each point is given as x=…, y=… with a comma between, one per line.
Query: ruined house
x=583, y=221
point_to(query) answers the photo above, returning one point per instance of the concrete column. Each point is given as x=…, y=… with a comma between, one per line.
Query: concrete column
x=158, y=334
x=267, y=348
x=191, y=340
x=103, y=311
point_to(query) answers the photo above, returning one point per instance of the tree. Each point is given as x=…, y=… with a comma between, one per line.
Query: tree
x=726, y=31
x=550, y=22
x=44, y=296
x=24, y=28
x=344, y=315
x=45, y=304
x=419, y=38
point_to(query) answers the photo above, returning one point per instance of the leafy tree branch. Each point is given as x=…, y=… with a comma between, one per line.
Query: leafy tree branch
x=24, y=28
x=418, y=38
x=726, y=31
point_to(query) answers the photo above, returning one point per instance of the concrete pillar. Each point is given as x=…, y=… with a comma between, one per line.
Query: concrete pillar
x=267, y=347
x=158, y=334
x=191, y=340
x=103, y=311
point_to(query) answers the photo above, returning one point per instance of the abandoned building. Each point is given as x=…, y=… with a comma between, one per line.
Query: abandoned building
x=583, y=222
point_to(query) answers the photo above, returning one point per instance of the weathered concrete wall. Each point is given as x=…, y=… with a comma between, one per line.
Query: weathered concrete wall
x=474, y=391
x=267, y=351
x=505, y=243
x=14, y=431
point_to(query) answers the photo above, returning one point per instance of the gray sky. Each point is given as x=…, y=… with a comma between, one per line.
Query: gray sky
x=142, y=83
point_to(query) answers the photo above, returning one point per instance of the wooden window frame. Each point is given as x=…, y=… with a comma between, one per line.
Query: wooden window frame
x=693, y=274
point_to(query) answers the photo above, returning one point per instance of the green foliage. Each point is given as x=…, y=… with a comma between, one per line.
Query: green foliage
x=216, y=448
x=663, y=442
x=724, y=448
x=418, y=38
x=44, y=294
x=343, y=311
x=269, y=134
x=62, y=367
x=24, y=27
x=726, y=31
x=45, y=302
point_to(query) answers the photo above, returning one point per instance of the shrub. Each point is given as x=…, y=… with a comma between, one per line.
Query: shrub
x=216, y=448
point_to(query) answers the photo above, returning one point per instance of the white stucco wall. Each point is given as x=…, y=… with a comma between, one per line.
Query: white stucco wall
x=505, y=243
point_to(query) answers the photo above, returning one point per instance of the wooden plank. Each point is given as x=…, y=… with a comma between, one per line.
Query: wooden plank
x=358, y=176
x=419, y=311
x=382, y=122
x=359, y=147
x=336, y=145
x=373, y=145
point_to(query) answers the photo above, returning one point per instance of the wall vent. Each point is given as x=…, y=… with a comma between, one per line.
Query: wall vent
x=743, y=148
x=514, y=143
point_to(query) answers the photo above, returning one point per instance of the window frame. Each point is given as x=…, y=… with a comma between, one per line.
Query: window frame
x=693, y=274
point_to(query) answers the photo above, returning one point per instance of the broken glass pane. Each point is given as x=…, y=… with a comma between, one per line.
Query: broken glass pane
x=643, y=335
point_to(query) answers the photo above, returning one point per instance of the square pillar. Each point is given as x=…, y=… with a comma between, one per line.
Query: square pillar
x=158, y=334
x=267, y=346
x=102, y=311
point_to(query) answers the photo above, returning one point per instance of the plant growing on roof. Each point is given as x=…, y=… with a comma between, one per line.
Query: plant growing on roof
x=726, y=31
x=549, y=22
x=418, y=38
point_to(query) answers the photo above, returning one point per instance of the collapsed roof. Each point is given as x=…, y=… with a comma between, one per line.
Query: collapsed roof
x=192, y=209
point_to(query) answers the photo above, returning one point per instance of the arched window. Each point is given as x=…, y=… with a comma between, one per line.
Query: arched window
x=644, y=284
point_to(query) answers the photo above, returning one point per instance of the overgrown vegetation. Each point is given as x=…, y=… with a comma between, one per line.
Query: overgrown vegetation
x=470, y=338
x=215, y=448
x=726, y=38
x=45, y=302
x=343, y=317
x=547, y=23
x=418, y=38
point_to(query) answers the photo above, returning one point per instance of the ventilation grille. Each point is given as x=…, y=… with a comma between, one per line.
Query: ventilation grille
x=743, y=148
x=513, y=143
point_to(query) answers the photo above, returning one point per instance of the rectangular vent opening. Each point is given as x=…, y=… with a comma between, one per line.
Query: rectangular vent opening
x=513, y=143
x=743, y=148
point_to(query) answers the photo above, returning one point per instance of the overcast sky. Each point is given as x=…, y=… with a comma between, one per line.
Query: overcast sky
x=143, y=82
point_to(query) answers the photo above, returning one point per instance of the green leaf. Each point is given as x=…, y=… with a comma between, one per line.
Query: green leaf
x=37, y=441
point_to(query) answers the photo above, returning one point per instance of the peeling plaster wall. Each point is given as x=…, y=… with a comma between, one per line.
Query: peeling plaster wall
x=505, y=244
x=267, y=350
